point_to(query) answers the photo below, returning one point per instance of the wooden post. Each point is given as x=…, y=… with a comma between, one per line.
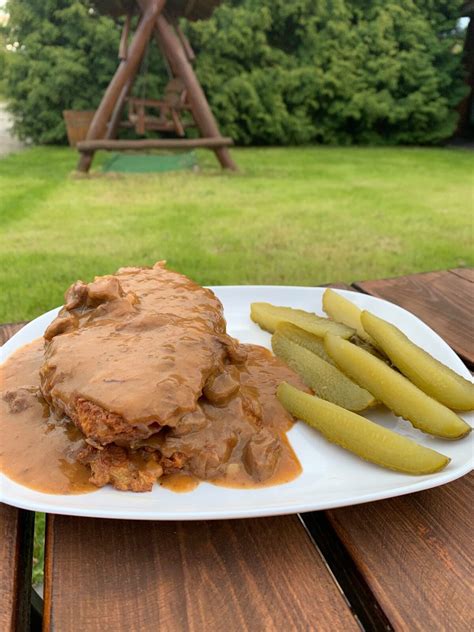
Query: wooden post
x=114, y=122
x=181, y=67
x=126, y=69
x=123, y=47
x=185, y=42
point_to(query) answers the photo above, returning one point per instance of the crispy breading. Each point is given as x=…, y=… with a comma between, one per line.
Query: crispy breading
x=112, y=464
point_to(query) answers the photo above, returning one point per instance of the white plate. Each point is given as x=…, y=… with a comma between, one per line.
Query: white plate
x=331, y=476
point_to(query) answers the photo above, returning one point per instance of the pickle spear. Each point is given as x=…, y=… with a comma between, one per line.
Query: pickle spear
x=344, y=311
x=395, y=391
x=360, y=435
x=303, y=338
x=433, y=377
x=325, y=379
x=268, y=316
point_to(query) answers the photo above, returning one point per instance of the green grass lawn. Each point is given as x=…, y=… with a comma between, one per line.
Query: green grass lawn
x=291, y=216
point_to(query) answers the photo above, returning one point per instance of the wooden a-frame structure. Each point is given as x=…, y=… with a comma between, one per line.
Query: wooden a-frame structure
x=158, y=20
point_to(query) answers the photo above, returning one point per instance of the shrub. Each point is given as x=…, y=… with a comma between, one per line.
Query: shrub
x=332, y=71
x=276, y=72
x=65, y=58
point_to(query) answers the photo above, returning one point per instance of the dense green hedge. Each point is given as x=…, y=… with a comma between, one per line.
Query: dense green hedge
x=276, y=72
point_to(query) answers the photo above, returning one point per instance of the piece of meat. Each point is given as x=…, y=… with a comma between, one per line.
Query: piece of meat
x=114, y=465
x=261, y=454
x=132, y=352
x=20, y=399
x=141, y=362
x=220, y=388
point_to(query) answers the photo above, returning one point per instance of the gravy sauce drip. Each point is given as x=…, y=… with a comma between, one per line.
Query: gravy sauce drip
x=241, y=442
x=36, y=450
x=141, y=363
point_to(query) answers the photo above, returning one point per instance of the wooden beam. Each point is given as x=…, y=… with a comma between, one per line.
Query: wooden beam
x=123, y=47
x=181, y=68
x=88, y=146
x=126, y=69
x=185, y=42
x=114, y=122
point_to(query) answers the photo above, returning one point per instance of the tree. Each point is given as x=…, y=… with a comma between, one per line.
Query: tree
x=276, y=72
x=332, y=71
x=65, y=57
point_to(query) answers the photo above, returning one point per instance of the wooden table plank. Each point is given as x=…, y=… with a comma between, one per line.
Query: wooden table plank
x=16, y=551
x=464, y=273
x=443, y=300
x=415, y=552
x=8, y=329
x=16, y=554
x=262, y=574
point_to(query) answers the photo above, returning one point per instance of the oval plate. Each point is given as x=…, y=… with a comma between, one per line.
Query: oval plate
x=331, y=476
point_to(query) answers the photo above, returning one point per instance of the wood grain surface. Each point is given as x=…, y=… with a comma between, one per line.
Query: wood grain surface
x=464, y=273
x=16, y=554
x=8, y=330
x=416, y=552
x=443, y=300
x=113, y=575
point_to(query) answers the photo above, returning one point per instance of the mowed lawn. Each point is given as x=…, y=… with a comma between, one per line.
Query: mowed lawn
x=302, y=216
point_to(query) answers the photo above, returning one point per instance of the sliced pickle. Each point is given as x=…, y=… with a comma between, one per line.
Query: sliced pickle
x=344, y=311
x=361, y=436
x=268, y=316
x=433, y=377
x=394, y=390
x=303, y=338
x=324, y=378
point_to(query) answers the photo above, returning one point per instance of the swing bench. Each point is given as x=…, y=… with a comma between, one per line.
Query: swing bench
x=170, y=110
x=183, y=104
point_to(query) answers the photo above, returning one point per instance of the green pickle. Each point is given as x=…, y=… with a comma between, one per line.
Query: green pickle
x=303, y=338
x=394, y=390
x=344, y=311
x=361, y=436
x=327, y=381
x=269, y=316
x=430, y=375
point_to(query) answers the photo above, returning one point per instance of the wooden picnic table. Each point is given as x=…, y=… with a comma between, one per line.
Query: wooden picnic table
x=401, y=564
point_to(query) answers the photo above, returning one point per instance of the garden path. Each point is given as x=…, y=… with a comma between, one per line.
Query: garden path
x=8, y=142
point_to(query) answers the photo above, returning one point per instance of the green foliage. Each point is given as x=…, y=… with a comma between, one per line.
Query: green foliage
x=3, y=60
x=332, y=71
x=65, y=58
x=276, y=72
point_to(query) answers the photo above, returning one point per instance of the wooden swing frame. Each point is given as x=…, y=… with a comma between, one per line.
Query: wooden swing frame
x=153, y=23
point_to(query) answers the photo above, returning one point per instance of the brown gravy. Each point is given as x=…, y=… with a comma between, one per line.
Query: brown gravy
x=288, y=468
x=179, y=483
x=36, y=450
